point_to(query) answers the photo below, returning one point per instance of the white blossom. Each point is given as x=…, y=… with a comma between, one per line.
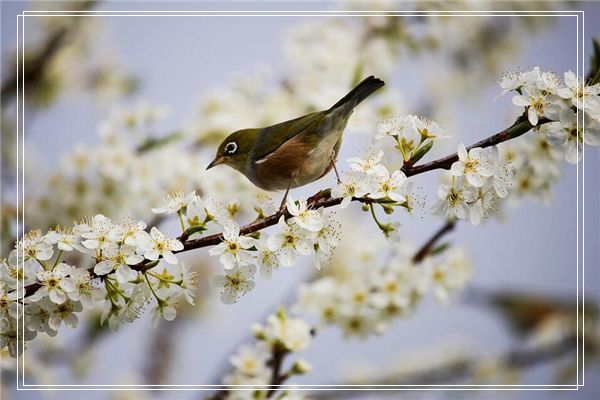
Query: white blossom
x=293, y=333
x=475, y=165
x=156, y=245
x=303, y=216
x=266, y=259
x=390, y=186
x=571, y=133
x=290, y=241
x=539, y=104
x=353, y=185
x=55, y=284
x=449, y=276
x=453, y=199
x=578, y=93
x=64, y=312
x=369, y=164
x=235, y=283
x=174, y=203
x=118, y=259
x=233, y=250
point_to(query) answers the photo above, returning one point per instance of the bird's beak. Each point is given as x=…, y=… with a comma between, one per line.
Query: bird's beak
x=216, y=161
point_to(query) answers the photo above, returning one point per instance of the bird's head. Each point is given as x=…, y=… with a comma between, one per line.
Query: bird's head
x=236, y=149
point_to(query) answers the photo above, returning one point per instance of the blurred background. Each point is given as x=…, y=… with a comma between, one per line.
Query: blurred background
x=174, y=86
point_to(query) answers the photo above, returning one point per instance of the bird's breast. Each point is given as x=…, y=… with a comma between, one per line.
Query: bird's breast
x=300, y=160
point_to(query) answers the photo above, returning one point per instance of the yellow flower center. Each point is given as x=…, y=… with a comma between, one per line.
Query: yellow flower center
x=471, y=165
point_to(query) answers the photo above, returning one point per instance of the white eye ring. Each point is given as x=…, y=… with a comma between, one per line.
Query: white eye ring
x=231, y=147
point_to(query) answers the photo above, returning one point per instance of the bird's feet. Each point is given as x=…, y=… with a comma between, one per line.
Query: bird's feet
x=337, y=174
x=282, y=206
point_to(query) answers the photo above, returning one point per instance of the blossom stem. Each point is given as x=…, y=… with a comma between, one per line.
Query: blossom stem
x=158, y=299
x=179, y=214
x=379, y=224
x=43, y=264
x=58, y=256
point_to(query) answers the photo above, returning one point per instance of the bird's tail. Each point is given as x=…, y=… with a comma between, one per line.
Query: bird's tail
x=360, y=92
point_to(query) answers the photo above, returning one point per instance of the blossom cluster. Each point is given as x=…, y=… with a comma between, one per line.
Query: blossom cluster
x=572, y=106
x=369, y=178
x=307, y=231
x=479, y=180
x=565, y=115
x=38, y=282
x=365, y=301
x=254, y=365
x=372, y=183
x=414, y=136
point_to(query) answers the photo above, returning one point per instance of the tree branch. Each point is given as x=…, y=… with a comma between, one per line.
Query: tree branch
x=323, y=198
x=520, y=127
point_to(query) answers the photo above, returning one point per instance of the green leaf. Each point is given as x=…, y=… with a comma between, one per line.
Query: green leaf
x=195, y=229
x=439, y=249
x=420, y=152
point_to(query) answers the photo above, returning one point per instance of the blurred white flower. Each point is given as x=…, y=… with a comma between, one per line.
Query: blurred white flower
x=174, y=203
x=485, y=205
x=293, y=333
x=570, y=133
x=453, y=199
x=65, y=312
x=235, y=283
x=266, y=259
x=251, y=362
x=449, y=276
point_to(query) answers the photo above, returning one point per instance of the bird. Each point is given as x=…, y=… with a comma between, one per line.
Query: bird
x=293, y=153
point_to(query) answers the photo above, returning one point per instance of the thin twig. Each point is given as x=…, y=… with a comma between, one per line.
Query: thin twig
x=424, y=251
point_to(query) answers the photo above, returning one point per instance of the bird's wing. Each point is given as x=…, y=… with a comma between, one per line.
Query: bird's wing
x=274, y=136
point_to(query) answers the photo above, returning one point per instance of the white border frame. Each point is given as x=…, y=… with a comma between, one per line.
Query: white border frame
x=20, y=180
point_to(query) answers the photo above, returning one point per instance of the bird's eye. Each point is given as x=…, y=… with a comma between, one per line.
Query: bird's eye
x=231, y=147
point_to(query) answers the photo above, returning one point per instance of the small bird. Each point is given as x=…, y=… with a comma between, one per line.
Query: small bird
x=293, y=153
